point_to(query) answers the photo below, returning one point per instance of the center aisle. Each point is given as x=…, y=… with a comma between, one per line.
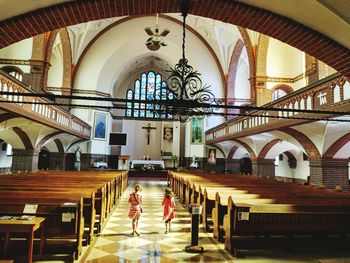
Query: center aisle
x=115, y=244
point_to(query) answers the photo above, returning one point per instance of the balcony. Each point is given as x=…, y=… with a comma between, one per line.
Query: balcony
x=329, y=94
x=33, y=108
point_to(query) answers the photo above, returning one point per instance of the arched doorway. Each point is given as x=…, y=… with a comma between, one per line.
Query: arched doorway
x=245, y=165
x=44, y=159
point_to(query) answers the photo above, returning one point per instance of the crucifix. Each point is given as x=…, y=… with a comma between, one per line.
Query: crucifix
x=148, y=128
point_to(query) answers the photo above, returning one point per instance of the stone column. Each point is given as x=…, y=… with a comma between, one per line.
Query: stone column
x=330, y=173
x=24, y=160
x=57, y=161
x=263, y=167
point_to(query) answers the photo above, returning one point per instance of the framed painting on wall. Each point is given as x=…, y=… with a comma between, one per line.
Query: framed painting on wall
x=197, y=131
x=100, y=126
x=212, y=157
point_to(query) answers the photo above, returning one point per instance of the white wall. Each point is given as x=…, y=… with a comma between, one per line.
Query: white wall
x=284, y=61
x=5, y=160
x=19, y=50
x=137, y=145
x=302, y=171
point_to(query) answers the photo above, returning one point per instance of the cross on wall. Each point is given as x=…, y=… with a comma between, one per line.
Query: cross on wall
x=149, y=128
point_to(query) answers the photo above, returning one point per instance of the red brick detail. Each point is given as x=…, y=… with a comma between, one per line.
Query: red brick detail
x=59, y=145
x=247, y=147
x=6, y=116
x=309, y=147
x=292, y=161
x=232, y=72
x=265, y=150
x=263, y=167
x=24, y=138
x=282, y=28
x=45, y=139
x=231, y=153
x=330, y=173
x=336, y=146
x=123, y=20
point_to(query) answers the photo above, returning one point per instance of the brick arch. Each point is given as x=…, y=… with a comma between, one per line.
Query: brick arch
x=252, y=65
x=264, y=151
x=309, y=147
x=336, y=146
x=123, y=20
x=74, y=12
x=232, y=152
x=292, y=161
x=232, y=71
x=284, y=87
x=247, y=147
x=44, y=140
x=59, y=145
x=24, y=138
x=6, y=116
x=67, y=55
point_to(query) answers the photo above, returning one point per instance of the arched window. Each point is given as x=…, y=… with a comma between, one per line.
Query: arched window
x=150, y=86
x=280, y=90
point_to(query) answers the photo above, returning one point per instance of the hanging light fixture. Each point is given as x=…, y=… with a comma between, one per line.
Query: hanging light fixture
x=190, y=98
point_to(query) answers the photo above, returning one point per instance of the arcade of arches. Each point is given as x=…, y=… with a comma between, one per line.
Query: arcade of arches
x=250, y=54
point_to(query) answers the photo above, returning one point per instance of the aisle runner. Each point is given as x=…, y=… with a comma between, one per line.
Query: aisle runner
x=117, y=245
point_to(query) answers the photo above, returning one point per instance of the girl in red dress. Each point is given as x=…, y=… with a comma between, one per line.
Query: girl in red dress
x=135, y=210
x=169, y=206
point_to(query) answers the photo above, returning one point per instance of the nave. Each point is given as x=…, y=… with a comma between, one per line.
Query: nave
x=115, y=244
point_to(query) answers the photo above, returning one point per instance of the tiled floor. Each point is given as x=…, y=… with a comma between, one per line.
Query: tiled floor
x=115, y=244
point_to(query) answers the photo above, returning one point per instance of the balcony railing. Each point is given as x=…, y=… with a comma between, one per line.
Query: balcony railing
x=331, y=94
x=32, y=108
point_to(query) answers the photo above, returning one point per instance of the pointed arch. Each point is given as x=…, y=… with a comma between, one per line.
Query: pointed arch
x=336, y=146
x=24, y=138
x=265, y=150
x=309, y=147
x=247, y=147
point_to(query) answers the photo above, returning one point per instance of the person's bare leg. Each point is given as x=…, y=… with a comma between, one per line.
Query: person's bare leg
x=136, y=225
x=169, y=226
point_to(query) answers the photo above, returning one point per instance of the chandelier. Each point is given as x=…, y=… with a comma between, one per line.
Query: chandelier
x=190, y=98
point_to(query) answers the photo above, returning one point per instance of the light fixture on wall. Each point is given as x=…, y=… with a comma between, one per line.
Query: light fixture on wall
x=191, y=99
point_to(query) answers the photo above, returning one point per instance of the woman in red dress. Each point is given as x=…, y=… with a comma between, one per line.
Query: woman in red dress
x=135, y=210
x=169, y=206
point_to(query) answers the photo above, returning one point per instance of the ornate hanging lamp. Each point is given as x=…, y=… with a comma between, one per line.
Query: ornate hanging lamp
x=191, y=99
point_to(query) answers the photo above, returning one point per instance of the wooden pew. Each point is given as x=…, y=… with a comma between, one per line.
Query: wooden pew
x=52, y=210
x=244, y=220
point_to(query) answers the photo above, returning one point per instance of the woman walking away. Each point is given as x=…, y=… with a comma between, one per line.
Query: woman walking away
x=169, y=206
x=135, y=210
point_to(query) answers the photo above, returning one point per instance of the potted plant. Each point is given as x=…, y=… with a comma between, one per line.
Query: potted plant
x=174, y=158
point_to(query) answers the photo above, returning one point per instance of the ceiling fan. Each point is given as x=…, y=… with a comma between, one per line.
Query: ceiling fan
x=156, y=40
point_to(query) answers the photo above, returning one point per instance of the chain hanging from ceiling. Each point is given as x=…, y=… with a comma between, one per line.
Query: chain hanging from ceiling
x=191, y=99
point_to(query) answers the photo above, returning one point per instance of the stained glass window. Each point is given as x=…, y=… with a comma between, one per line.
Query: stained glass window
x=150, y=86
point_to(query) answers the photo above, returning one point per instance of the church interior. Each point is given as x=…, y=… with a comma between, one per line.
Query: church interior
x=240, y=109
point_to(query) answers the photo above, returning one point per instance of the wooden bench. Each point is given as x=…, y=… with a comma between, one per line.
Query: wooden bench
x=286, y=220
x=53, y=210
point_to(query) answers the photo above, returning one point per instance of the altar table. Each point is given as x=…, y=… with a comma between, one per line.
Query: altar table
x=145, y=162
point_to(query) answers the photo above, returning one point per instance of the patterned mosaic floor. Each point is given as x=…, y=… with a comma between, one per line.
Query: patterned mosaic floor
x=115, y=244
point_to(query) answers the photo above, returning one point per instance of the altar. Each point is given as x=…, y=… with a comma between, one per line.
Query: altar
x=139, y=164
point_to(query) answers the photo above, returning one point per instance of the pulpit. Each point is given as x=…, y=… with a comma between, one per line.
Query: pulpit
x=123, y=162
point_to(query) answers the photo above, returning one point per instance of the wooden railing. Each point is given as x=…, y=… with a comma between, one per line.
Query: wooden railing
x=50, y=115
x=331, y=94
